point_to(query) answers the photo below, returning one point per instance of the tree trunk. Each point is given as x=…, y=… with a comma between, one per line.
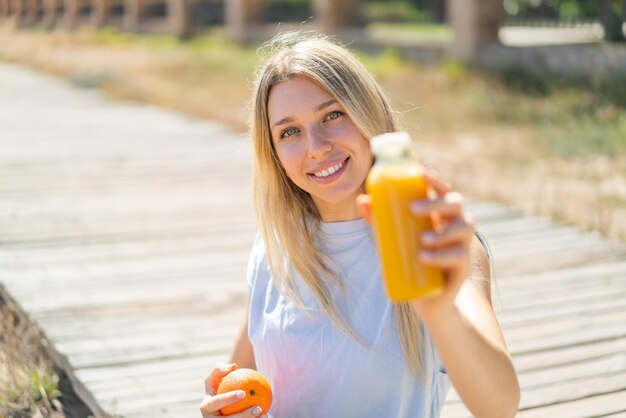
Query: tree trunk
x=612, y=21
x=241, y=16
x=32, y=12
x=332, y=16
x=132, y=15
x=179, y=19
x=70, y=13
x=437, y=9
x=51, y=10
x=100, y=12
x=475, y=24
x=4, y=9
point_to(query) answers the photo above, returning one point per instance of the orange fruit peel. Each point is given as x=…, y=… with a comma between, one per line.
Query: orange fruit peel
x=256, y=386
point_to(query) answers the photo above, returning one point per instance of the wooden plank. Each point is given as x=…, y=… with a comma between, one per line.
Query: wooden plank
x=537, y=380
x=620, y=414
x=607, y=333
x=538, y=281
x=127, y=373
x=108, y=327
x=149, y=351
x=181, y=409
x=16, y=259
x=566, y=393
x=525, y=362
x=521, y=317
x=564, y=326
x=103, y=273
x=593, y=406
x=574, y=389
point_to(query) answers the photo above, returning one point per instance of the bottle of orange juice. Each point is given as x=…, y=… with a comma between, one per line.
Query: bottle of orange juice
x=395, y=180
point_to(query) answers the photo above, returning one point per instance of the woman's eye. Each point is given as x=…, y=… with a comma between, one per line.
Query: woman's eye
x=288, y=132
x=333, y=115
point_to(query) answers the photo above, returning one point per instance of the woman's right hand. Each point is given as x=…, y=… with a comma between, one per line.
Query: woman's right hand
x=211, y=404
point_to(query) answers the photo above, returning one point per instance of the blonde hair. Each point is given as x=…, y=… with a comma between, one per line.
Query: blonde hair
x=287, y=216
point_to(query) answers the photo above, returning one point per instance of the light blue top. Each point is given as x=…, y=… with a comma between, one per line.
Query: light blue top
x=314, y=369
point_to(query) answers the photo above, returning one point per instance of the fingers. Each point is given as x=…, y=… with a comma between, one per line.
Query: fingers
x=450, y=205
x=364, y=202
x=445, y=258
x=213, y=380
x=460, y=231
x=447, y=246
x=437, y=185
x=255, y=411
x=211, y=404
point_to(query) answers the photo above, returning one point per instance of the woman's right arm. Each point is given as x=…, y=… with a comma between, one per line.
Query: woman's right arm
x=242, y=356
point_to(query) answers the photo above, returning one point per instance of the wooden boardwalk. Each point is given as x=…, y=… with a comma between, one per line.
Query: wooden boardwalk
x=124, y=232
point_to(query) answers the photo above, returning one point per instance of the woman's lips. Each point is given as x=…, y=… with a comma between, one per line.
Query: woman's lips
x=331, y=177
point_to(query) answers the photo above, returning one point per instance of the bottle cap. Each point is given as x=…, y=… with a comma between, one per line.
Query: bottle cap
x=392, y=144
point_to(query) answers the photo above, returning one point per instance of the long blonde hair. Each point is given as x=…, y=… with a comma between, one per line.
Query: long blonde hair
x=288, y=218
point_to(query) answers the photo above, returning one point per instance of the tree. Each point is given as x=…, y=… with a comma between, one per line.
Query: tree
x=612, y=20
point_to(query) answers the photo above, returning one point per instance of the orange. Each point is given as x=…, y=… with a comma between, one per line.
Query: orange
x=256, y=386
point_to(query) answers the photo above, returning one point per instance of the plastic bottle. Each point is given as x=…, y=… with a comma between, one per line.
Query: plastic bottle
x=395, y=180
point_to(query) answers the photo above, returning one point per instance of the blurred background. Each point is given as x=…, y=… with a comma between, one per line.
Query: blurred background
x=516, y=86
x=520, y=102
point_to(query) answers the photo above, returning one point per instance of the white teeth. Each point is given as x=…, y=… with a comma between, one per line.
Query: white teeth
x=330, y=170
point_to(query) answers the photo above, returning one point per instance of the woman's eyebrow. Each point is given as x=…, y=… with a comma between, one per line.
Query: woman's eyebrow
x=283, y=121
x=317, y=109
x=325, y=104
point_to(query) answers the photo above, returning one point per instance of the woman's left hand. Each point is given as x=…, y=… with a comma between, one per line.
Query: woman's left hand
x=447, y=246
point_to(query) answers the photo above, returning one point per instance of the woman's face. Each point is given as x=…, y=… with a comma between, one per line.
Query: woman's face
x=320, y=148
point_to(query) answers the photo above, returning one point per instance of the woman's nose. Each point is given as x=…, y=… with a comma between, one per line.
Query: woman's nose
x=319, y=144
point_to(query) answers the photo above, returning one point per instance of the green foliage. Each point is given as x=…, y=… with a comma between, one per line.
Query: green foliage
x=219, y=53
x=576, y=116
x=586, y=134
x=564, y=9
x=91, y=79
x=572, y=10
x=387, y=63
x=44, y=385
x=162, y=42
x=520, y=80
x=293, y=3
x=455, y=70
x=394, y=11
x=410, y=31
x=112, y=36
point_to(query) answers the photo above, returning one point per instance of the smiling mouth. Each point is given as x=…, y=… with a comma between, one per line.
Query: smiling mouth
x=330, y=172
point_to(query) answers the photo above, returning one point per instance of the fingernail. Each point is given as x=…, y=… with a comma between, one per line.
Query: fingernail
x=240, y=394
x=419, y=207
x=428, y=238
x=427, y=255
x=257, y=410
x=232, y=365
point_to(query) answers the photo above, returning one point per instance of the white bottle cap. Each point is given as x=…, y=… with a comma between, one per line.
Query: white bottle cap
x=391, y=144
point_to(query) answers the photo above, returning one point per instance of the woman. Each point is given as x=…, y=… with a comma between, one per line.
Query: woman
x=320, y=326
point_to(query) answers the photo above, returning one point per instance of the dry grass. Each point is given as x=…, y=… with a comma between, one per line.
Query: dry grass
x=29, y=387
x=558, y=153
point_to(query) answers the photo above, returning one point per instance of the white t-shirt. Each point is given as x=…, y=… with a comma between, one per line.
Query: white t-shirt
x=313, y=368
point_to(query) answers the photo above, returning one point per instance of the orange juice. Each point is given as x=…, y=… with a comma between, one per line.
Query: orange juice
x=394, y=182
